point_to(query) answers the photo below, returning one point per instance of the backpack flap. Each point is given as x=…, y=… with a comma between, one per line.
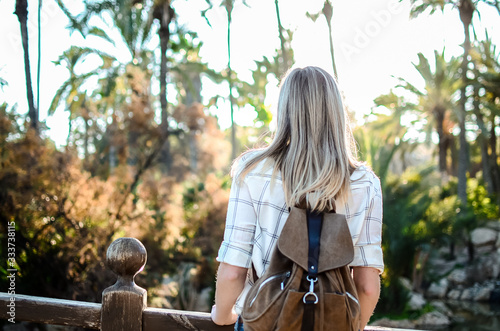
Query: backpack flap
x=336, y=242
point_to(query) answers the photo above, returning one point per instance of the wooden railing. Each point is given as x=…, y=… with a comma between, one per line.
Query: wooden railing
x=123, y=305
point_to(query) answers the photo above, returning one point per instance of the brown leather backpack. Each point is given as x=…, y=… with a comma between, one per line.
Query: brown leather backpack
x=308, y=284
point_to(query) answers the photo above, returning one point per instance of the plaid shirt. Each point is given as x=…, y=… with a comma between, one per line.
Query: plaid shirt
x=257, y=213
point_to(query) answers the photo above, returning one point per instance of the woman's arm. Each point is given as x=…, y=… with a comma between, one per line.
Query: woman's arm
x=230, y=283
x=367, y=282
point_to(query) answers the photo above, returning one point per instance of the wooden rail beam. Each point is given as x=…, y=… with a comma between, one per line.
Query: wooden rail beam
x=53, y=311
x=155, y=319
x=124, y=303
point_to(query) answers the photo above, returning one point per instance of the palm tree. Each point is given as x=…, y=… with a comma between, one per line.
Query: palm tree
x=327, y=11
x=187, y=73
x=466, y=9
x=486, y=59
x=134, y=20
x=22, y=15
x=482, y=136
x=228, y=4
x=39, y=58
x=286, y=51
x=377, y=148
x=69, y=92
x=436, y=100
x=380, y=140
x=163, y=12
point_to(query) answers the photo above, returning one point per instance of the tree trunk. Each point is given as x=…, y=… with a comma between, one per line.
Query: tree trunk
x=419, y=262
x=86, y=143
x=39, y=60
x=482, y=140
x=466, y=10
x=493, y=136
x=164, y=34
x=470, y=249
x=463, y=157
x=193, y=99
x=164, y=15
x=233, y=125
x=284, y=52
x=439, y=116
x=454, y=155
x=229, y=9
x=485, y=158
x=113, y=153
x=328, y=12
x=22, y=15
x=495, y=170
x=70, y=128
x=452, y=250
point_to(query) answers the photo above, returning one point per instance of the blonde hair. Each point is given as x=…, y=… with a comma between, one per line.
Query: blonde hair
x=313, y=147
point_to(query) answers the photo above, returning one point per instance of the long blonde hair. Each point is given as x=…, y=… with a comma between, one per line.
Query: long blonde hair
x=313, y=147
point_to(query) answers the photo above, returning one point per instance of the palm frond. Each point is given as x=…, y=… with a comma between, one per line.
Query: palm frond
x=493, y=3
x=98, y=32
x=3, y=83
x=421, y=6
x=313, y=17
x=410, y=87
x=60, y=94
x=74, y=23
x=424, y=69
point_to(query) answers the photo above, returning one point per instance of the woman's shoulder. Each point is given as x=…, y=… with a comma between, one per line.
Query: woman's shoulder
x=263, y=167
x=364, y=176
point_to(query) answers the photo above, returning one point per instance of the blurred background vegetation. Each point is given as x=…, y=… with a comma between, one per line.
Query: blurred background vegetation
x=137, y=165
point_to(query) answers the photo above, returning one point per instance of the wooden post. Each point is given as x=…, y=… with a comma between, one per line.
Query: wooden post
x=124, y=302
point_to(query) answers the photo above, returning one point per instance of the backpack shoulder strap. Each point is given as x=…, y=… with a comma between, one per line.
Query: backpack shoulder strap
x=314, y=223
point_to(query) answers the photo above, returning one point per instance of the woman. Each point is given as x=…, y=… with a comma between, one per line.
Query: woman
x=310, y=159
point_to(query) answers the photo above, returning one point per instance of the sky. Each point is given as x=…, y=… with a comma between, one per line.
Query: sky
x=375, y=42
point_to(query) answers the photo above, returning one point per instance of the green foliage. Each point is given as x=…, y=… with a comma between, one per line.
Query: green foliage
x=205, y=206
x=254, y=94
x=446, y=222
x=405, y=203
x=57, y=244
x=419, y=217
x=67, y=210
x=421, y=210
x=393, y=303
x=3, y=83
x=481, y=203
x=65, y=218
x=393, y=299
x=439, y=220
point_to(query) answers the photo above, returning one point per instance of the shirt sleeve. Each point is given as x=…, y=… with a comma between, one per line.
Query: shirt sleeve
x=236, y=248
x=368, y=247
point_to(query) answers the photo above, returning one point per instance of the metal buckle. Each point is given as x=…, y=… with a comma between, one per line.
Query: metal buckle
x=311, y=291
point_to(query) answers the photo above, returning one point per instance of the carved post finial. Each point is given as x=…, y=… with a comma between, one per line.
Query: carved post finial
x=126, y=257
x=124, y=302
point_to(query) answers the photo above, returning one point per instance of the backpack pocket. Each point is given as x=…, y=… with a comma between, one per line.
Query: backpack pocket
x=330, y=313
x=291, y=315
x=265, y=301
x=271, y=281
x=335, y=312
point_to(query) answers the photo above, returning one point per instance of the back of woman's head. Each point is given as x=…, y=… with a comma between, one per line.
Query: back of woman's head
x=313, y=145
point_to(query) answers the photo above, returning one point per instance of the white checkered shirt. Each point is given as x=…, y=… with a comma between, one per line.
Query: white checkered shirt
x=257, y=213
